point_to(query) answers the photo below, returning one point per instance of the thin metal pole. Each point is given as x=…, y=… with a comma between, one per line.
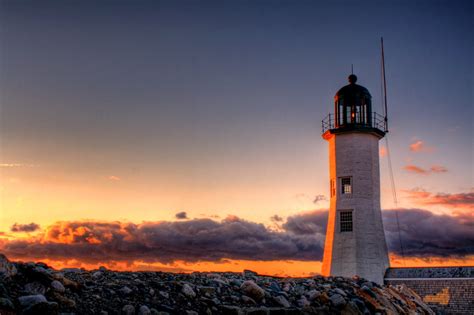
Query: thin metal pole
x=384, y=86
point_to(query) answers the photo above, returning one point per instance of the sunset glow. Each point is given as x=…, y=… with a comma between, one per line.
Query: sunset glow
x=187, y=138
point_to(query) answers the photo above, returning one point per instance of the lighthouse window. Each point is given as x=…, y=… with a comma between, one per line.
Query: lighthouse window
x=345, y=220
x=346, y=185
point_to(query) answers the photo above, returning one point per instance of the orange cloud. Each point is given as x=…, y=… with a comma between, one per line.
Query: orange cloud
x=419, y=146
x=461, y=200
x=415, y=169
x=115, y=178
x=438, y=169
x=419, y=170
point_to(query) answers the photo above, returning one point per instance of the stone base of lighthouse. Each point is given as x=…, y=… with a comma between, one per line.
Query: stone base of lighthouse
x=358, y=248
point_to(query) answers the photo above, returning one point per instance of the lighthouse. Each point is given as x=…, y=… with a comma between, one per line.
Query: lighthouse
x=355, y=241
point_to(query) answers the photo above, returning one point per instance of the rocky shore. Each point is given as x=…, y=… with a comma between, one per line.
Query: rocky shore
x=35, y=288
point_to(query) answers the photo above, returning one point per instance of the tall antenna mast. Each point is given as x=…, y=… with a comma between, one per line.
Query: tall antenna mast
x=384, y=86
x=390, y=169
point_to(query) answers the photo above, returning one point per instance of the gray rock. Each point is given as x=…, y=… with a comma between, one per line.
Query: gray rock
x=188, y=291
x=97, y=275
x=7, y=269
x=303, y=302
x=6, y=304
x=337, y=300
x=209, y=291
x=144, y=310
x=125, y=290
x=30, y=300
x=50, y=308
x=164, y=294
x=313, y=294
x=58, y=286
x=128, y=310
x=34, y=288
x=280, y=299
x=252, y=290
x=248, y=300
x=249, y=273
x=191, y=312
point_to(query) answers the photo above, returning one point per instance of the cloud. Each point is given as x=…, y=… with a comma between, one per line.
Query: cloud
x=114, y=178
x=191, y=241
x=319, y=198
x=32, y=227
x=418, y=170
x=313, y=222
x=422, y=197
x=419, y=146
x=9, y=165
x=438, y=169
x=181, y=215
x=425, y=234
x=301, y=237
x=276, y=218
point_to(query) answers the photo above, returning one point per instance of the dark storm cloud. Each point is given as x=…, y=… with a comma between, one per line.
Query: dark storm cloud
x=32, y=227
x=181, y=215
x=425, y=234
x=193, y=240
x=307, y=223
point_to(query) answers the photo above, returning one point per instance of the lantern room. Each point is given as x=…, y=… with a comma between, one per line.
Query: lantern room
x=353, y=111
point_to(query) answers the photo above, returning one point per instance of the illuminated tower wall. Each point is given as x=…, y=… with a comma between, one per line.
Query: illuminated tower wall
x=355, y=241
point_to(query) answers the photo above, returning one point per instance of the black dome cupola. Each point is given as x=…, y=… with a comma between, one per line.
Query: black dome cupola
x=353, y=111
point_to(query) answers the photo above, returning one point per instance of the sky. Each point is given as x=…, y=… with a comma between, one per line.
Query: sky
x=186, y=135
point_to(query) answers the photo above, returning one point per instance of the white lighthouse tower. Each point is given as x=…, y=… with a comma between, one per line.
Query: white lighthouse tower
x=355, y=240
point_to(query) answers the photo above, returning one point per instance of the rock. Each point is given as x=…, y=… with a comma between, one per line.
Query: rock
x=128, y=310
x=125, y=290
x=208, y=291
x=188, y=312
x=252, y=290
x=313, y=294
x=34, y=288
x=282, y=301
x=6, y=304
x=30, y=300
x=337, y=300
x=303, y=302
x=231, y=310
x=49, y=308
x=144, y=310
x=58, y=286
x=249, y=273
x=7, y=269
x=188, y=291
x=97, y=275
x=248, y=300
x=164, y=294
